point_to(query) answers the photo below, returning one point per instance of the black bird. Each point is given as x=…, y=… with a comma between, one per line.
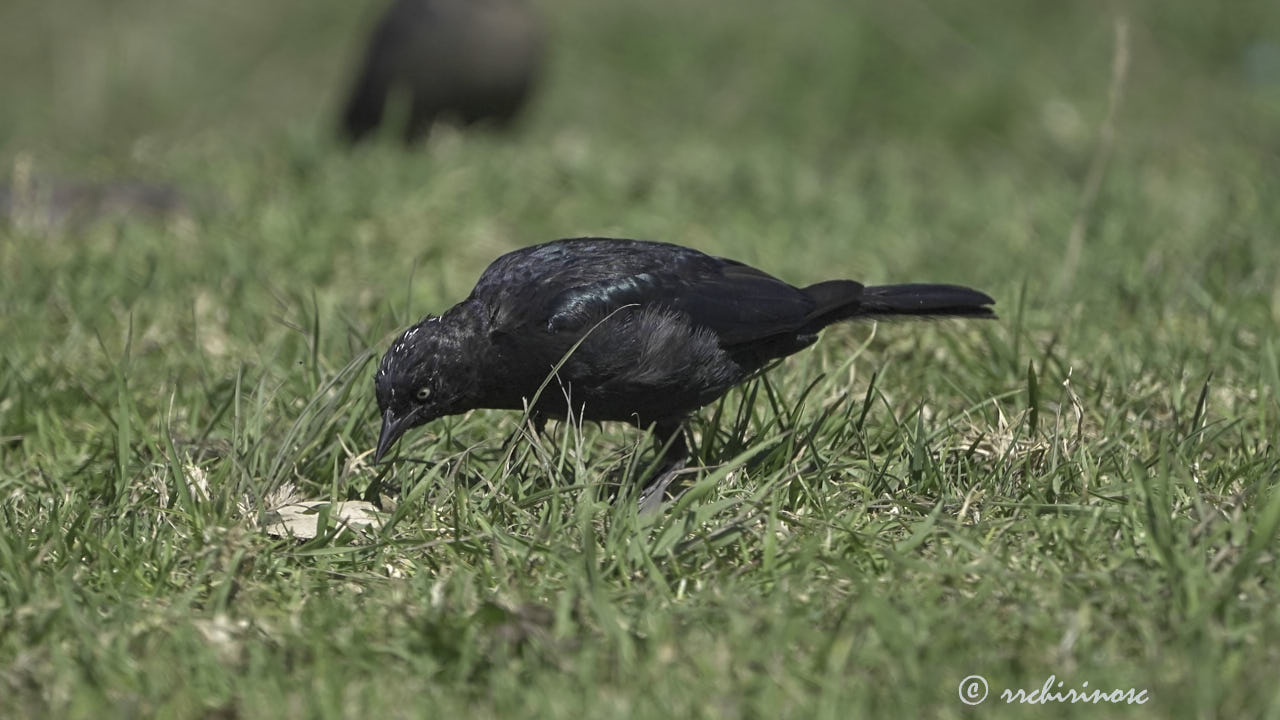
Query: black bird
x=465, y=60
x=648, y=332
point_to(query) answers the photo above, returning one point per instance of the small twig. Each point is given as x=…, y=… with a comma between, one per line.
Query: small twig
x=1102, y=154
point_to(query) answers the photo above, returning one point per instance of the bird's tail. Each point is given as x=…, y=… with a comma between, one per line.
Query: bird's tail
x=927, y=300
x=838, y=300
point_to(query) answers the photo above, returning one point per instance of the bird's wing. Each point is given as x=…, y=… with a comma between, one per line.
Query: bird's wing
x=741, y=304
x=567, y=286
x=736, y=302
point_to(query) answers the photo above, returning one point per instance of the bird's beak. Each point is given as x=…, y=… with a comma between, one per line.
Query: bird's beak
x=392, y=428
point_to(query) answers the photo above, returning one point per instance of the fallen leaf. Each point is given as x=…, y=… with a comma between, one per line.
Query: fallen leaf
x=302, y=519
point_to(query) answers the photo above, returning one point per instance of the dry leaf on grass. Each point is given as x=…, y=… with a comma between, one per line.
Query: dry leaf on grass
x=302, y=519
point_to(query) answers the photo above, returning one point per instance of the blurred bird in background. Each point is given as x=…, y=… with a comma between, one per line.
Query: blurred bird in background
x=466, y=61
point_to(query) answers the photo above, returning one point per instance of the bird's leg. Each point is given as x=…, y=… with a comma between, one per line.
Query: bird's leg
x=675, y=456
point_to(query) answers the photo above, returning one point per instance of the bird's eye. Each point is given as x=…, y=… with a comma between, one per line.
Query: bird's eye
x=424, y=392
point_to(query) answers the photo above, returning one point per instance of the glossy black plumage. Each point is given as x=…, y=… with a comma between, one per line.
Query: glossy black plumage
x=660, y=330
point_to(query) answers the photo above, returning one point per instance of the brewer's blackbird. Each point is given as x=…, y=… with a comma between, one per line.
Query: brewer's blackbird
x=465, y=60
x=643, y=332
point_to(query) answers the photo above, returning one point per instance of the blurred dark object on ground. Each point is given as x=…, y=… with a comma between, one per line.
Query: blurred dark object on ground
x=43, y=203
x=466, y=61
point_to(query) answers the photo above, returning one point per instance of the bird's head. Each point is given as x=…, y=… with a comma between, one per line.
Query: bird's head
x=426, y=373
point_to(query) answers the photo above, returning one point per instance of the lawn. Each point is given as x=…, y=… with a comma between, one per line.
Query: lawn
x=1084, y=489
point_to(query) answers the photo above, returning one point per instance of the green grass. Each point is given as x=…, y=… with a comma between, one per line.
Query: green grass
x=1086, y=488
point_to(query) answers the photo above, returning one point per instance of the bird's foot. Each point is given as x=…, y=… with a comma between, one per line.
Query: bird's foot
x=662, y=487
